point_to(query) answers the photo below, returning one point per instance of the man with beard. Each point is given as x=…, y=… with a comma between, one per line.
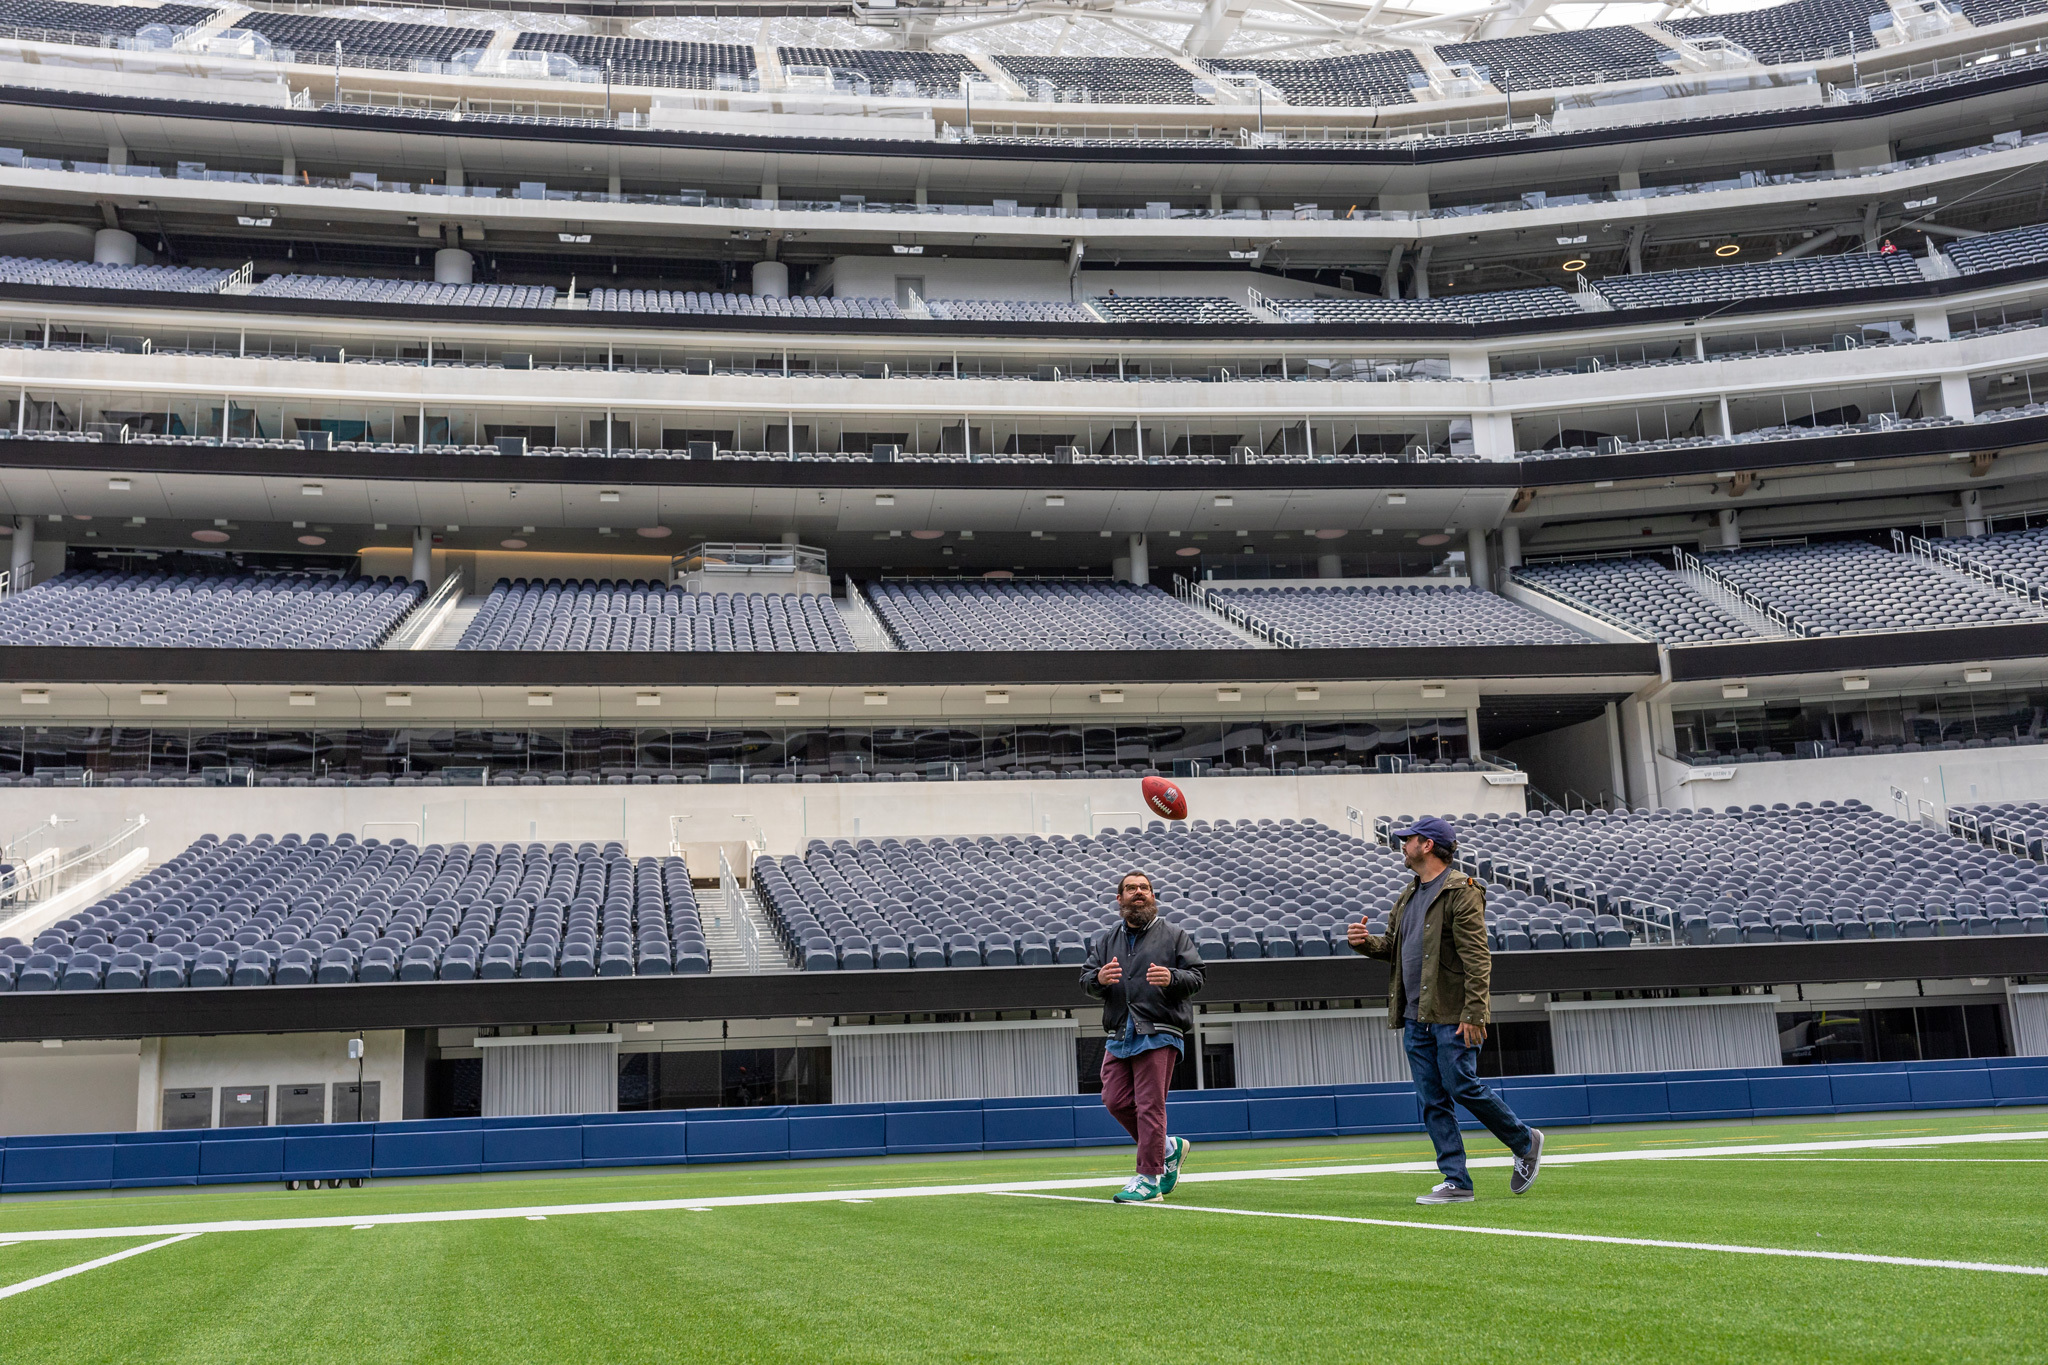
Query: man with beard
x=1438, y=993
x=1144, y=971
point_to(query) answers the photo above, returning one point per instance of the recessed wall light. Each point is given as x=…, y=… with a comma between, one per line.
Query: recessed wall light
x=540, y=699
x=787, y=698
x=156, y=699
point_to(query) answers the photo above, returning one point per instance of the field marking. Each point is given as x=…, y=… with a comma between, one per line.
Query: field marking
x=39, y=1281
x=705, y=1203
x=1731, y=1248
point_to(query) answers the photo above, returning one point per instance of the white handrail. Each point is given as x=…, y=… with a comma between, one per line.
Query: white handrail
x=45, y=874
x=420, y=626
x=736, y=907
x=1777, y=616
x=1943, y=557
x=860, y=602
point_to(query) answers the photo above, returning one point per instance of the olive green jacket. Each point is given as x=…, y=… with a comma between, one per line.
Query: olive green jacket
x=1457, y=967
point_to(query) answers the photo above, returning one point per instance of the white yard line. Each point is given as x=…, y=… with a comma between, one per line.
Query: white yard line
x=39, y=1281
x=841, y=1195
x=1735, y=1249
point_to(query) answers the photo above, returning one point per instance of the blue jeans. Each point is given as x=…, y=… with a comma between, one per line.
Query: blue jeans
x=1447, y=1075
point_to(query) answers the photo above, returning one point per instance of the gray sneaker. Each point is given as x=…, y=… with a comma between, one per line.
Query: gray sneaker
x=1446, y=1193
x=1527, y=1166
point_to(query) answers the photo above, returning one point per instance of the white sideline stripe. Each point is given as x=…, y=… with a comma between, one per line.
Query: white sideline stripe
x=39, y=1281
x=1731, y=1248
x=703, y=1203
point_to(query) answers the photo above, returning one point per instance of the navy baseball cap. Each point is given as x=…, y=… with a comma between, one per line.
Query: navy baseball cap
x=1432, y=827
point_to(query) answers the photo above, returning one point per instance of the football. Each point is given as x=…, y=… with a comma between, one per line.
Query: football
x=1166, y=798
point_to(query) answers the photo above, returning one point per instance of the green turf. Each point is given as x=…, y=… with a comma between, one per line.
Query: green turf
x=998, y=1278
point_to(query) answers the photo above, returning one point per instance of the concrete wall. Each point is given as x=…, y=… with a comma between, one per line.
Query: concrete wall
x=272, y=1059
x=1578, y=758
x=82, y=1087
x=874, y=277
x=704, y=818
x=1941, y=779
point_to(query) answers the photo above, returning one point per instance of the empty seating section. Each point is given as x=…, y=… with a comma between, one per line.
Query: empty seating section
x=62, y=16
x=1347, y=617
x=1851, y=587
x=1176, y=311
x=981, y=615
x=298, y=912
x=1103, y=80
x=646, y=61
x=1767, y=279
x=1982, y=12
x=591, y=614
x=1498, y=306
x=411, y=293
x=1556, y=60
x=312, y=37
x=1800, y=31
x=932, y=75
x=1242, y=890
x=1006, y=310
x=1999, y=250
x=2024, y=554
x=737, y=305
x=1753, y=876
x=1643, y=596
x=113, y=608
x=177, y=279
x=1362, y=78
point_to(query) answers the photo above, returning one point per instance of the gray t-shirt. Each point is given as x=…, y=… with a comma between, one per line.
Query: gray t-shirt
x=1412, y=942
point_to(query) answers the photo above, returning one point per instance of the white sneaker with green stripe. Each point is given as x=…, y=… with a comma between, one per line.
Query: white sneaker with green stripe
x=1142, y=1189
x=1177, y=1150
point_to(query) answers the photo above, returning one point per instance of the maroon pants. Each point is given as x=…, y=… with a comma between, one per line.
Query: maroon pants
x=1134, y=1092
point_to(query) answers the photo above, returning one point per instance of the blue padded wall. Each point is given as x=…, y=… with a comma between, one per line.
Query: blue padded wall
x=98, y=1161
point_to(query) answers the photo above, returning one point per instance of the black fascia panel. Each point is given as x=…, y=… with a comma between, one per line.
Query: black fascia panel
x=437, y=1004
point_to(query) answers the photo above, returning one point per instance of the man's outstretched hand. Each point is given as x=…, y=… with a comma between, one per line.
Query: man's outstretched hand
x=1158, y=975
x=1111, y=973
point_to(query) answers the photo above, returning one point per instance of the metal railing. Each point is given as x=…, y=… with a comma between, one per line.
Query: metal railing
x=735, y=907
x=418, y=629
x=1688, y=562
x=749, y=558
x=1943, y=557
x=238, y=280
x=858, y=600
x=51, y=872
x=13, y=581
x=1204, y=598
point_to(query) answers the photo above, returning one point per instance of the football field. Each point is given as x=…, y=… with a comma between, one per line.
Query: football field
x=1892, y=1239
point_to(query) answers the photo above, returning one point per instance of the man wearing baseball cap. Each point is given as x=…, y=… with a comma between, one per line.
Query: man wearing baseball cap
x=1437, y=992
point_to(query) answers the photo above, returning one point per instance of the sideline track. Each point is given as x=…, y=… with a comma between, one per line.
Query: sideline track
x=365, y=1222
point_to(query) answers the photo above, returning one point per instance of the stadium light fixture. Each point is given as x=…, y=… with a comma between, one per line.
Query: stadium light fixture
x=787, y=698
x=1433, y=691
x=35, y=696
x=1734, y=691
x=1579, y=240
x=902, y=250
x=647, y=699
x=301, y=699
x=155, y=697
x=1229, y=694
x=1856, y=683
x=1308, y=694
x=574, y=238
x=118, y=485
x=1976, y=675
x=1056, y=500
x=540, y=699
x=1110, y=696
x=994, y=697
x=246, y=221
x=874, y=699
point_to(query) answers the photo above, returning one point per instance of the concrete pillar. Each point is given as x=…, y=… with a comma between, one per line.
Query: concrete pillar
x=1511, y=547
x=111, y=246
x=1956, y=401
x=1329, y=566
x=422, y=555
x=452, y=265
x=1475, y=559
x=1973, y=512
x=1141, y=564
x=771, y=280
x=1731, y=528
x=1617, y=767
x=23, y=551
